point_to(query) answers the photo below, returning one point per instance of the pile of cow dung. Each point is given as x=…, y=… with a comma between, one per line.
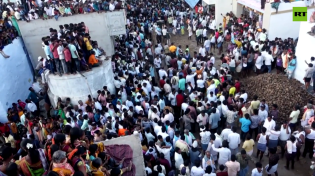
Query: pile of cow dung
x=277, y=89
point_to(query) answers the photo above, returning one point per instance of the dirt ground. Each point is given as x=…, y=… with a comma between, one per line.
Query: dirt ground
x=302, y=167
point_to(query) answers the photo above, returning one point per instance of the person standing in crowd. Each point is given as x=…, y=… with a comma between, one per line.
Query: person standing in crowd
x=272, y=167
x=234, y=141
x=233, y=166
x=309, y=141
x=245, y=124
x=285, y=133
x=261, y=139
x=243, y=159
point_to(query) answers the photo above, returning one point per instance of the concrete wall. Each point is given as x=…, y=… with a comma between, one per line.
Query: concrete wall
x=273, y=20
x=222, y=7
x=78, y=87
x=98, y=24
x=16, y=77
x=304, y=50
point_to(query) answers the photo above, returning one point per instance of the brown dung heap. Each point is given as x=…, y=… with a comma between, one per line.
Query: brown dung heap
x=277, y=89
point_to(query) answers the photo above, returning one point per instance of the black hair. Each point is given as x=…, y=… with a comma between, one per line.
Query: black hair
x=59, y=138
x=75, y=134
x=32, y=152
x=12, y=169
x=93, y=149
x=97, y=163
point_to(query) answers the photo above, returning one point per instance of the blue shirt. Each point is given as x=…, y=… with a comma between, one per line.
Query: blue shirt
x=214, y=120
x=97, y=117
x=48, y=52
x=80, y=123
x=245, y=124
x=292, y=62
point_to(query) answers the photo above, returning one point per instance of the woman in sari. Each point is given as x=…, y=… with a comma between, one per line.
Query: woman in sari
x=5, y=159
x=60, y=164
x=77, y=137
x=76, y=160
x=60, y=140
x=34, y=163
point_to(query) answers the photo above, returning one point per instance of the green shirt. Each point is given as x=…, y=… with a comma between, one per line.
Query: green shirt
x=181, y=84
x=85, y=124
x=243, y=161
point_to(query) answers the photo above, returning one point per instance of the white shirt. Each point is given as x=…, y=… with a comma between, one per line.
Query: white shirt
x=269, y=125
x=172, y=98
x=166, y=152
x=225, y=133
x=211, y=88
x=168, y=117
x=31, y=107
x=259, y=62
x=202, y=51
x=164, y=31
x=197, y=171
x=205, y=137
x=256, y=173
x=162, y=73
x=224, y=154
x=200, y=83
x=283, y=133
x=234, y=140
x=178, y=160
x=268, y=59
x=111, y=7
x=244, y=96
x=262, y=115
x=157, y=62
x=190, y=78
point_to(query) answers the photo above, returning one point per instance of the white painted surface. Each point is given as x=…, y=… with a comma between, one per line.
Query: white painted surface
x=77, y=87
x=16, y=77
x=97, y=23
x=209, y=2
x=223, y=7
x=116, y=25
x=289, y=27
x=304, y=50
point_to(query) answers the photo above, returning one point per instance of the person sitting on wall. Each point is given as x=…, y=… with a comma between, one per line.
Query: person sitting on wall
x=98, y=51
x=93, y=61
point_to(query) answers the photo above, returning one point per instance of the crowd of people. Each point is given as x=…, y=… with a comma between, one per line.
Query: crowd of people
x=33, y=10
x=69, y=50
x=186, y=111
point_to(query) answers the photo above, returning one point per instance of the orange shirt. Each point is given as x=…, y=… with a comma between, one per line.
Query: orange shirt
x=172, y=48
x=92, y=60
x=122, y=132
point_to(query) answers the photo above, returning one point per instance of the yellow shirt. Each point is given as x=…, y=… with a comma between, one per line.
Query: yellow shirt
x=232, y=91
x=88, y=44
x=255, y=104
x=172, y=48
x=248, y=145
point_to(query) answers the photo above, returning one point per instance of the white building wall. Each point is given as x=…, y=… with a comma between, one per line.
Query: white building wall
x=98, y=25
x=16, y=77
x=304, y=50
x=222, y=7
x=78, y=87
x=273, y=21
